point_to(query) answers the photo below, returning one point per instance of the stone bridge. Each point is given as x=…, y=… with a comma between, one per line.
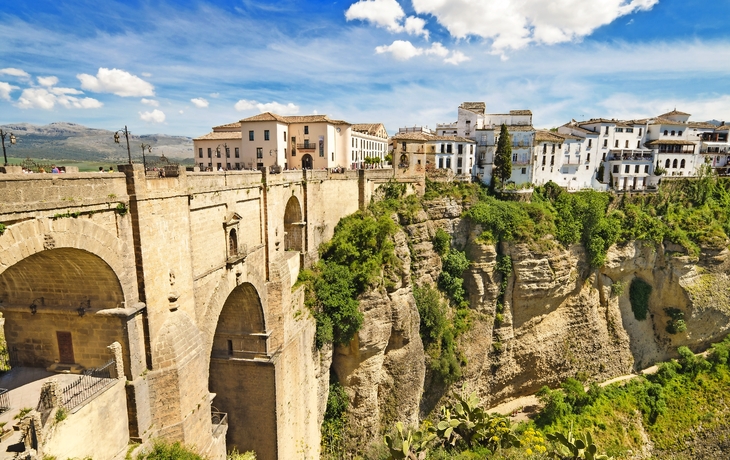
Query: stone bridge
x=194, y=275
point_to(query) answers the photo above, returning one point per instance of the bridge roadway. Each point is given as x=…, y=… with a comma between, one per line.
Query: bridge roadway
x=193, y=275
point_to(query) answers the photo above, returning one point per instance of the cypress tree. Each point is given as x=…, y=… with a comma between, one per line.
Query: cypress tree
x=503, y=157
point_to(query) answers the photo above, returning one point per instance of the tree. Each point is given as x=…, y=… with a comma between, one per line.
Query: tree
x=503, y=157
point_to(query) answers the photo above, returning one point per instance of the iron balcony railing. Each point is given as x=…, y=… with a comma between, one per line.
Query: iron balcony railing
x=640, y=155
x=93, y=381
x=307, y=146
x=218, y=419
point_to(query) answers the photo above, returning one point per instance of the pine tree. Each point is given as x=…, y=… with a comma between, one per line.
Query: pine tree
x=503, y=157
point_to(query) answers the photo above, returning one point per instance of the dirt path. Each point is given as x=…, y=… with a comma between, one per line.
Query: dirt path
x=524, y=408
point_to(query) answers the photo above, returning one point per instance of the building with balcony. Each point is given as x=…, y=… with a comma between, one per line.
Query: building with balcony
x=715, y=149
x=421, y=146
x=369, y=140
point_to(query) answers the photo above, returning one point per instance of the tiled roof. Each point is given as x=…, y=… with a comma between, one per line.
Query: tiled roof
x=476, y=107
x=512, y=128
x=424, y=137
x=574, y=125
x=454, y=139
x=214, y=136
x=673, y=112
x=520, y=112
x=236, y=124
x=268, y=116
x=724, y=127
x=701, y=124
x=367, y=128
x=665, y=121
x=669, y=142
x=542, y=135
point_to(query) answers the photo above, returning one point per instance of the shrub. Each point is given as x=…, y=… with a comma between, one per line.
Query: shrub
x=554, y=406
x=333, y=424
x=164, y=451
x=676, y=323
x=441, y=242
x=639, y=293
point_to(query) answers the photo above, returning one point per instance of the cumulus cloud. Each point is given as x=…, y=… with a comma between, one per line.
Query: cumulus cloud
x=215, y=95
x=199, y=102
x=515, y=24
x=14, y=72
x=5, y=89
x=156, y=116
x=403, y=50
x=117, y=82
x=48, y=81
x=274, y=107
x=150, y=102
x=387, y=14
x=47, y=99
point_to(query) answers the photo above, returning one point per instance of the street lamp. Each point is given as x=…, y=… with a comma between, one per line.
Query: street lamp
x=126, y=135
x=147, y=147
x=11, y=138
x=275, y=154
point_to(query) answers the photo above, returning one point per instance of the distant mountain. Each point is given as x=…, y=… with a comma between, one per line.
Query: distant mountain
x=70, y=141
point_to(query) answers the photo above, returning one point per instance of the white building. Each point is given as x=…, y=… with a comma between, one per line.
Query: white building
x=369, y=140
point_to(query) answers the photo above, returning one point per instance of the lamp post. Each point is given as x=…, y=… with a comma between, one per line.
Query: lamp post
x=218, y=151
x=275, y=153
x=147, y=147
x=11, y=138
x=125, y=131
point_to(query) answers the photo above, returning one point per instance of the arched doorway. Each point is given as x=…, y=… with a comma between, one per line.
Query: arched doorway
x=242, y=374
x=307, y=161
x=50, y=304
x=293, y=226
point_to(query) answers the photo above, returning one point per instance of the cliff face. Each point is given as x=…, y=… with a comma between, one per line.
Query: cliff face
x=561, y=318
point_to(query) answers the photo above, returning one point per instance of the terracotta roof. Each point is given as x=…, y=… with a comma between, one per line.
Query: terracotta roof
x=268, y=116
x=520, y=112
x=542, y=135
x=424, y=137
x=454, y=139
x=701, y=124
x=476, y=107
x=574, y=125
x=665, y=121
x=236, y=124
x=512, y=128
x=570, y=136
x=724, y=127
x=367, y=128
x=673, y=112
x=219, y=136
x=669, y=142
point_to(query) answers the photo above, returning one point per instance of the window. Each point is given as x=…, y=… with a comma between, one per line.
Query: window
x=627, y=168
x=552, y=160
x=679, y=133
x=619, y=130
x=666, y=132
x=553, y=150
x=674, y=164
x=636, y=169
x=667, y=163
x=219, y=166
x=284, y=136
x=514, y=157
x=627, y=144
x=306, y=129
x=403, y=145
x=615, y=144
x=605, y=143
x=228, y=153
x=259, y=152
x=646, y=169
x=544, y=158
x=638, y=144
x=201, y=166
x=459, y=163
x=449, y=148
x=238, y=166
x=460, y=149
x=443, y=148
x=588, y=157
x=441, y=163
x=672, y=132
x=544, y=148
x=200, y=152
x=210, y=152
x=590, y=143
x=615, y=169
x=641, y=130
x=266, y=134
x=228, y=166
x=448, y=162
x=681, y=165
x=284, y=152
x=237, y=153
x=250, y=135
x=524, y=170
x=606, y=130
x=629, y=130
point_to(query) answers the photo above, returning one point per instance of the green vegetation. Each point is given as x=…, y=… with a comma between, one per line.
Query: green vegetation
x=236, y=455
x=61, y=414
x=121, y=209
x=639, y=293
x=2, y=228
x=675, y=324
x=333, y=424
x=503, y=156
x=441, y=242
x=165, y=451
x=23, y=412
x=438, y=334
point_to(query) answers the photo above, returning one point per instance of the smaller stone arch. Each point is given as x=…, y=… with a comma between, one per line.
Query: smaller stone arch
x=293, y=226
x=232, y=243
x=241, y=328
x=307, y=161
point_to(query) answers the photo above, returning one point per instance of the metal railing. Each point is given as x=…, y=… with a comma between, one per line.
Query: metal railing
x=218, y=419
x=90, y=383
x=4, y=400
x=307, y=146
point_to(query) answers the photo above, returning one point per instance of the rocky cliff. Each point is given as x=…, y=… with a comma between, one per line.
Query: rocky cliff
x=561, y=318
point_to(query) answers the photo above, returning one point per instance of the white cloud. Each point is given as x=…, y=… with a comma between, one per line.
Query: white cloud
x=116, y=81
x=14, y=72
x=156, y=116
x=457, y=57
x=215, y=95
x=146, y=74
x=274, y=107
x=514, y=24
x=42, y=98
x=5, y=89
x=48, y=81
x=382, y=13
x=150, y=102
x=387, y=14
x=181, y=112
x=403, y=50
x=199, y=102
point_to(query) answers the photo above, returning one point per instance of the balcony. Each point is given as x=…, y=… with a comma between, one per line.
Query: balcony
x=307, y=146
x=634, y=155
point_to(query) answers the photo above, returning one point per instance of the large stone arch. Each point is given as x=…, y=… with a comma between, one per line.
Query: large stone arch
x=242, y=373
x=24, y=239
x=56, y=305
x=293, y=226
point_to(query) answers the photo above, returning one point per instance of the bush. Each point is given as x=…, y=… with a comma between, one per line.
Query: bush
x=441, y=242
x=639, y=293
x=554, y=406
x=333, y=424
x=164, y=451
x=676, y=323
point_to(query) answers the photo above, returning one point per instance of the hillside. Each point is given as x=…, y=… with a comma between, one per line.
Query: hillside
x=70, y=141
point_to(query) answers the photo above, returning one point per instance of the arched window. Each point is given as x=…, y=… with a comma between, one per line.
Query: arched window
x=666, y=165
x=674, y=164
x=672, y=132
x=666, y=132
x=232, y=243
x=681, y=165
x=679, y=133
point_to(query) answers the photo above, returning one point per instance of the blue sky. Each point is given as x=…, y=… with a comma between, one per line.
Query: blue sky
x=182, y=67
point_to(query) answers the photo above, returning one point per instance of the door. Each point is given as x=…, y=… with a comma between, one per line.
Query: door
x=307, y=161
x=65, y=347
